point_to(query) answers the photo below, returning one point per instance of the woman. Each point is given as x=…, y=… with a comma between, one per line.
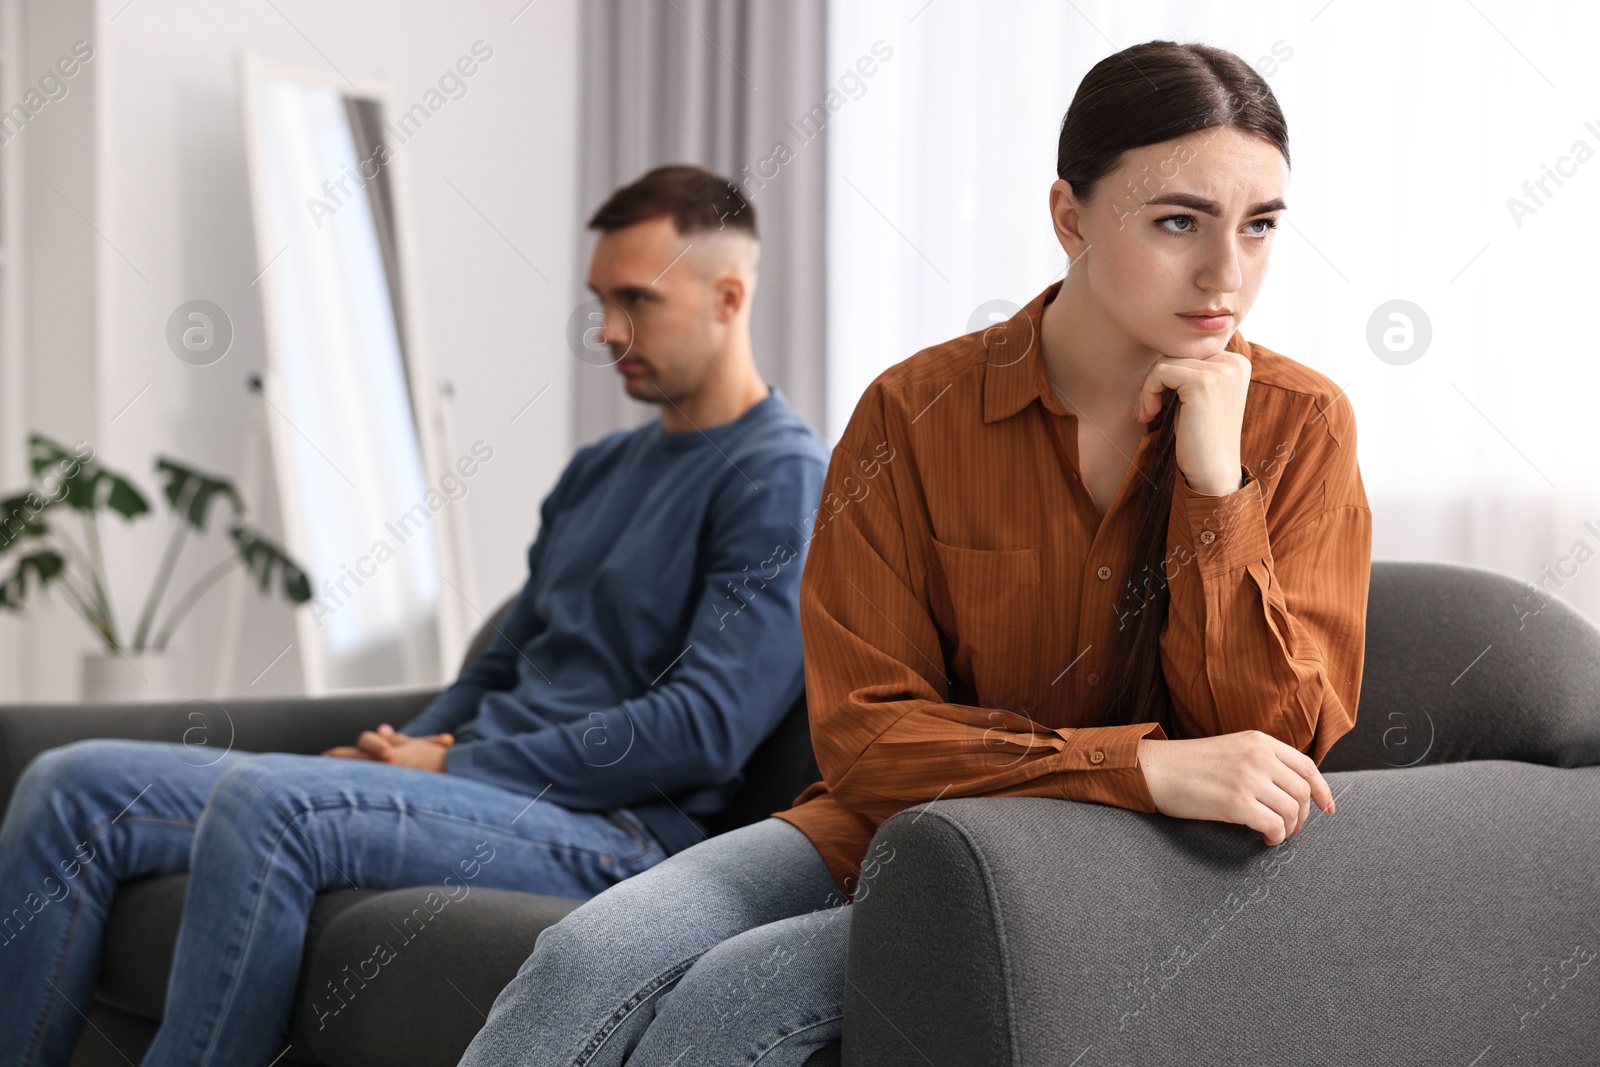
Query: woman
x=963, y=636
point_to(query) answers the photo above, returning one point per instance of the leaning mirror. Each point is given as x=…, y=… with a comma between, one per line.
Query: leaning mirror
x=355, y=418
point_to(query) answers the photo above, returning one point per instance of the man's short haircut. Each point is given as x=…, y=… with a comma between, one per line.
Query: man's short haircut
x=697, y=200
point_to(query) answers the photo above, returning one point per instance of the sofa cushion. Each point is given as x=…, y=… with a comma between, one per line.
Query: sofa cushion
x=406, y=977
x=420, y=1005
x=142, y=932
x=139, y=940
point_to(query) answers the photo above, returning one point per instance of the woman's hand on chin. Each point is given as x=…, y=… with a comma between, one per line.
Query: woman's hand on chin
x=1210, y=419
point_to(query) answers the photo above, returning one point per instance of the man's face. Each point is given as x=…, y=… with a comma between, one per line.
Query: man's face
x=1182, y=226
x=660, y=317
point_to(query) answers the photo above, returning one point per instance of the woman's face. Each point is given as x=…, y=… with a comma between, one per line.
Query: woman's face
x=1181, y=226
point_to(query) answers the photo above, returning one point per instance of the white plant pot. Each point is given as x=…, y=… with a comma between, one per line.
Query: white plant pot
x=110, y=677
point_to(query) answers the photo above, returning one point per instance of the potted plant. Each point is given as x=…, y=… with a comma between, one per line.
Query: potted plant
x=34, y=527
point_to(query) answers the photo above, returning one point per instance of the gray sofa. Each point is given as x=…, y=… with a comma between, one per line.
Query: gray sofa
x=1447, y=913
x=429, y=1001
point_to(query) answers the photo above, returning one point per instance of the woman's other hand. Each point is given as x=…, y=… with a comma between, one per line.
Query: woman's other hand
x=1250, y=778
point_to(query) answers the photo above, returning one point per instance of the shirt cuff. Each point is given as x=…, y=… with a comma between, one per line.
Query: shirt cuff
x=1219, y=533
x=458, y=759
x=1105, y=748
x=1113, y=753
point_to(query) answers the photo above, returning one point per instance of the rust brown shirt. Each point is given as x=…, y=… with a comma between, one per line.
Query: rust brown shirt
x=962, y=589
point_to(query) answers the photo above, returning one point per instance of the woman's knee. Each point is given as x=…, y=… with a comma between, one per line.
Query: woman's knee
x=620, y=924
x=798, y=952
x=661, y=919
x=760, y=987
x=619, y=951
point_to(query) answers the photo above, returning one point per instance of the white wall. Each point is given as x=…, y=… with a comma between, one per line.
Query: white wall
x=52, y=255
x=163, y=177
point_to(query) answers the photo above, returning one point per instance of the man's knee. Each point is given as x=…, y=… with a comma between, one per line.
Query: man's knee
x=269, y=783
x=83, y=774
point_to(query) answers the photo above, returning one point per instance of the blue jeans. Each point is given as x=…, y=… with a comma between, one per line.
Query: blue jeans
x=730, y=952
x=261, y=836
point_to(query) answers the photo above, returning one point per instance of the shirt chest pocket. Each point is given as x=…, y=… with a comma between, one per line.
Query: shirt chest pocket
x=985, y=602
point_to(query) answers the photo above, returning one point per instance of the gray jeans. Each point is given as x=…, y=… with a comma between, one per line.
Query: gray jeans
x=730, y=952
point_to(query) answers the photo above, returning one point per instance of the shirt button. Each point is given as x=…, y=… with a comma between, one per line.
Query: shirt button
x=1097, y=756
x=1206, y=537
x=1104, y=572
x=1093, y=679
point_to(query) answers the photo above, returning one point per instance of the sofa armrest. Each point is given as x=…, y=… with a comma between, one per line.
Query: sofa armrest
x=306, y=725
x=1443, y=910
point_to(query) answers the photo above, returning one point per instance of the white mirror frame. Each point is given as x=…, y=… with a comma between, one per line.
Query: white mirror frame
x=457, y=616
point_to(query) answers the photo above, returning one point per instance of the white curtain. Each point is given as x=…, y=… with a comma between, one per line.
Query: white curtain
x=1412, y=126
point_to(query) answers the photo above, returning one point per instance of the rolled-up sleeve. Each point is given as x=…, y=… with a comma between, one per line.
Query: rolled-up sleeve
x=1266, y=621
x=885, y=732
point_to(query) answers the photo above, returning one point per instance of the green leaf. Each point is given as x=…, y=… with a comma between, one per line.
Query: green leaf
x=45, y=453
x=44, y=565
x=261, y=557
x=75, y=479
x=198, y=488
x=79, y=480
x=124, y=499
x=19, y=518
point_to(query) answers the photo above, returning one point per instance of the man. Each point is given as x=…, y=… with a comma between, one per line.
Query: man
x=655, y=644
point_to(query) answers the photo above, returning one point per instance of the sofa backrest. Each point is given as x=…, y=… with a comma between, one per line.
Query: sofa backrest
x=777, y=772
x=1464, y=663
x=486, y=633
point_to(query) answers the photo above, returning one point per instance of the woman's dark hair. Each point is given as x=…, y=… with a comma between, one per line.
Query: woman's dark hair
x=1154, y=92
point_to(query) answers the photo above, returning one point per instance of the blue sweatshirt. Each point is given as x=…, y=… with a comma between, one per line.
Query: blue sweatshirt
x=656, y=642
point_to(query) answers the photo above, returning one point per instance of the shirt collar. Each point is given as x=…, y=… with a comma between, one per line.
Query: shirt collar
x=1014, y=374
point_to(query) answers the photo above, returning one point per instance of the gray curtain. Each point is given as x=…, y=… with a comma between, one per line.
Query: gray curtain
x=717, y=83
